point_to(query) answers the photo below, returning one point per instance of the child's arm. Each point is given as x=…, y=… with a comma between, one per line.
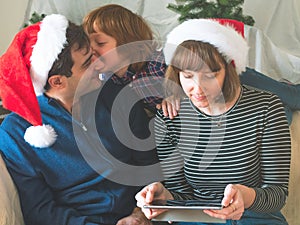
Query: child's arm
x=170, y=106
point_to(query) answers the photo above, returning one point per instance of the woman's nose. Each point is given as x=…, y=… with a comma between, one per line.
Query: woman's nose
x=197, y=88
x=197, y=82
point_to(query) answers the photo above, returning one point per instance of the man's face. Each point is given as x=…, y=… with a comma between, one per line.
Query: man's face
x=85, y=77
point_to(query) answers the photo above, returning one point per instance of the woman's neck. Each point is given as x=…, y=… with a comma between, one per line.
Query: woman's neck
x=219, y=108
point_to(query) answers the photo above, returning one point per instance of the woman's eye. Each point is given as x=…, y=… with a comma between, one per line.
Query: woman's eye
x=210, y=75
x=187, y=75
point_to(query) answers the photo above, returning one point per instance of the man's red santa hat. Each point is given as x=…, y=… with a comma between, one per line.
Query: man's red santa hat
x=24, y=69
x=225, y=34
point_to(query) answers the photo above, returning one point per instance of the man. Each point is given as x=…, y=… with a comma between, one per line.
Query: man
x=63, y=147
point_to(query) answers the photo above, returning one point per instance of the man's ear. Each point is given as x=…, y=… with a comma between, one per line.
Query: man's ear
x=56, y=81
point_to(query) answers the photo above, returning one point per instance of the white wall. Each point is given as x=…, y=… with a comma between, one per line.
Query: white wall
x=274, y=48
x=12, y=13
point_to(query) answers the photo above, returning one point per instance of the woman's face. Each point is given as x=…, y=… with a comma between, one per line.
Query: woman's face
x=202, y=87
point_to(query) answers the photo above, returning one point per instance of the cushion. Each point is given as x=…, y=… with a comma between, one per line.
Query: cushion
x=10, y=210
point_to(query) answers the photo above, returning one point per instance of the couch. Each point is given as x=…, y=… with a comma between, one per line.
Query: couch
x=292, y=207
x=10, y=212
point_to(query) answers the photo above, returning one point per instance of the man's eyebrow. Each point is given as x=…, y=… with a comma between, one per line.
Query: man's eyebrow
x=87, y=61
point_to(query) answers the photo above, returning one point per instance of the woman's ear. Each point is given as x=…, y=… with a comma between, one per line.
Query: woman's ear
x=56, y=81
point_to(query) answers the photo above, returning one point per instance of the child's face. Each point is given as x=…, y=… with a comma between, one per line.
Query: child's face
x=202, y=87
x=105, y=47
x=102, y=43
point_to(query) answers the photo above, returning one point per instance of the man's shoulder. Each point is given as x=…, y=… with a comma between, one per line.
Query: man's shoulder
x=14, y=121
x=11, y=138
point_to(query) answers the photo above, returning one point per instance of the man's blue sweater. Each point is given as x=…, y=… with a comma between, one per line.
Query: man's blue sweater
x=81, y=178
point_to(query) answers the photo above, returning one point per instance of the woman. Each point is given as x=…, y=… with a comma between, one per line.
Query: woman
x=286, y=91
x=229, y=143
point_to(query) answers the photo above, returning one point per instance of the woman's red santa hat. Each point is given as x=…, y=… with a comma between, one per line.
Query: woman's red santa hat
x=225, y=34
x=24, y=69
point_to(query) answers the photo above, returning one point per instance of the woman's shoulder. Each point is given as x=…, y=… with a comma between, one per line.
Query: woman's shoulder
x=253, y=93
x=253, y=90
x=253, y=97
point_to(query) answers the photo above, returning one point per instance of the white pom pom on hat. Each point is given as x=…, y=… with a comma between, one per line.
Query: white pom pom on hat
x=224, y=34
x=24, y=69
x=33, y=136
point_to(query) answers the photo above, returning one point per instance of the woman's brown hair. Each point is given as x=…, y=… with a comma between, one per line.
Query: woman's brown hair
x=194, y=56
x=126, y=27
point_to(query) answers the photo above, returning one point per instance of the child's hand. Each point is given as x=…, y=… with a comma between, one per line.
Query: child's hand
x=170, y=106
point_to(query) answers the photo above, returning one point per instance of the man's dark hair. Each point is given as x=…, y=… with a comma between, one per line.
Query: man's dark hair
x=76, y=40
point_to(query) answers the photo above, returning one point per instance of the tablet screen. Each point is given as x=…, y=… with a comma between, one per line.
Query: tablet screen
x=183, y=204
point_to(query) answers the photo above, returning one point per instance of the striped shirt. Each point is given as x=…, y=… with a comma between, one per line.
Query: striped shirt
x=249, y=145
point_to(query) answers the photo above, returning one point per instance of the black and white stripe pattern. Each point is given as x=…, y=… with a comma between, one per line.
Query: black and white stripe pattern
x=248, y=145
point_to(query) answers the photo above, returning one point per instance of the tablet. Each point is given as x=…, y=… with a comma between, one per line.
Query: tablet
x=185, y=211
x=183, y=204
x=187, y=215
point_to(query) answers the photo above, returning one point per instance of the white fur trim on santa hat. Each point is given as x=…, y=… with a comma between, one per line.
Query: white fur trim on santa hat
x=40, y=136
x=50, y=42
x=224, y=37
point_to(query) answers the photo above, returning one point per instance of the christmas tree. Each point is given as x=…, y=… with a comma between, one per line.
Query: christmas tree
x=35, y=17
x=193, y=9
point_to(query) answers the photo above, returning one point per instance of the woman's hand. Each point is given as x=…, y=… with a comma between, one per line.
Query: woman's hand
x=152, y=192
x=236, y=198
x=170, y=106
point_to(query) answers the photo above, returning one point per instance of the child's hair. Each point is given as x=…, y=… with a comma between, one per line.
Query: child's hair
x=125, y=27
x=195, y=55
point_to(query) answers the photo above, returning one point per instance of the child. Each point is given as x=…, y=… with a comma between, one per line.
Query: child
x=113, y=26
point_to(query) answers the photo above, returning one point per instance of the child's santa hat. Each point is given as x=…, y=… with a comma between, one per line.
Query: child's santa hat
x=24, y=69
x=225, y=34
